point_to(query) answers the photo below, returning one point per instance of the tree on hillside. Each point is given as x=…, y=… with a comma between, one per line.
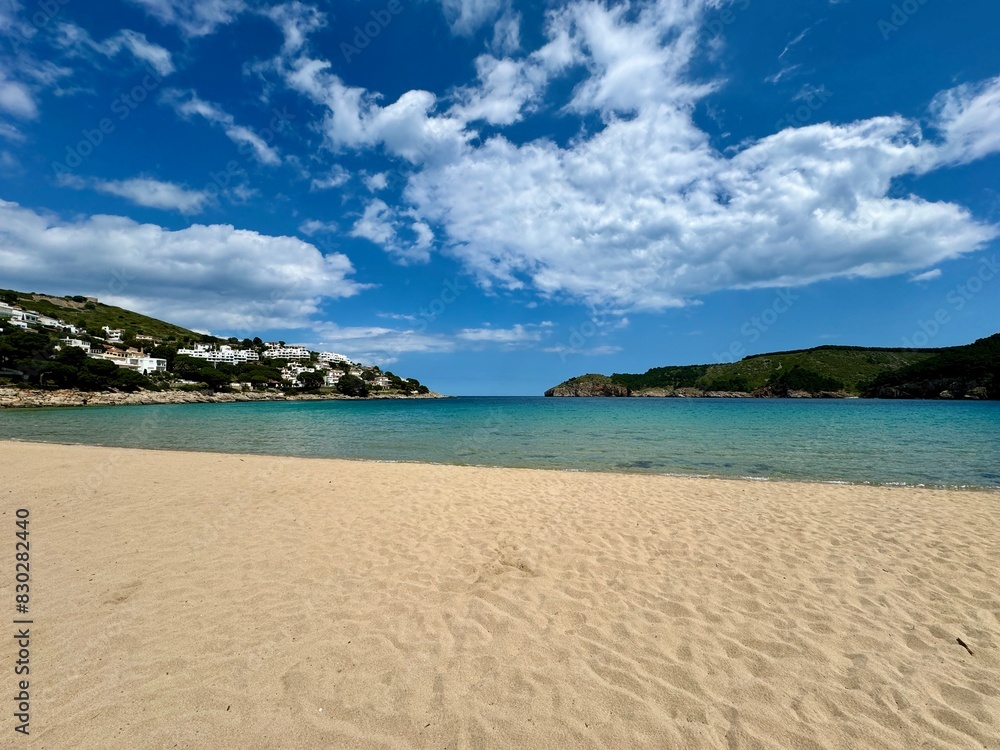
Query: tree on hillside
x=311, y=381
x=351, y=385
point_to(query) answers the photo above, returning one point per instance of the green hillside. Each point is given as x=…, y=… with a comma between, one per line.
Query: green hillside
x=826, y=368
x=94, y=315
x=972, y=370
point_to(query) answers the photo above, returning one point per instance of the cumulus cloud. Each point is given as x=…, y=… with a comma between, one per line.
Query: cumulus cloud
x=193, y=17
x=210, y=277
x=645, y=213
x=355, y=119
x=187, y=104
x=408, y=239
x=377, y=181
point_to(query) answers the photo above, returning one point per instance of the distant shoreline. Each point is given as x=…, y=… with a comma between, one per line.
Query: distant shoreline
x=23, y=398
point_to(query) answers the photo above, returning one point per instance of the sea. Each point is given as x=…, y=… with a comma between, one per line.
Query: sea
x=954, y=444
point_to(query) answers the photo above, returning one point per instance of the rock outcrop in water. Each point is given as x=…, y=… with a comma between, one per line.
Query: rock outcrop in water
x=589, y=385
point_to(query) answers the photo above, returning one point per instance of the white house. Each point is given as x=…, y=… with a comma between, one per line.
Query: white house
x=382, y=382
x=77, y=343
x=113, y=335
x=8, y=311
x=138, y=362
x=332, y=378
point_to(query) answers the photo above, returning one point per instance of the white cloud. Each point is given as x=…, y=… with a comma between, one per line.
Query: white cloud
x=296, y=21
x=594, y=351
x=378, y=344
x=386, y=228
x=142, y=49
x=969, y=117
x=376, y=182
x=645, y=213
x=355, y=119
x=188, y=104
x=467, y=16
x=518, y=334
x=145, y=191
x=337, y=177
x=507, y=33
x=211, y=277
x=78, y=41
x=16, y=97
x=504, y=88
x=934, y=273
x=193, y=17
x=312, y=227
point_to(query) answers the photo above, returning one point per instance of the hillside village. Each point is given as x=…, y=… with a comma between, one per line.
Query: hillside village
x=43, y=350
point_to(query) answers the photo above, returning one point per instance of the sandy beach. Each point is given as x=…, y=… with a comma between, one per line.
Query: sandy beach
x=197, y=600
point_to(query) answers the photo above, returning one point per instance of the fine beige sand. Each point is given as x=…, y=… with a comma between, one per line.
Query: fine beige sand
x=186, y=600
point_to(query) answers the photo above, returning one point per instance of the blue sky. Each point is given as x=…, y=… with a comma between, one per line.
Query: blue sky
x=493, y=196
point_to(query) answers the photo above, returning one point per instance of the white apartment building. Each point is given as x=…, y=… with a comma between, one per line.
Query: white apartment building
x=333, y=357
x=332, y=378
x=274, y=350
x=7, y=311
x=223, y=353
x=381, y=382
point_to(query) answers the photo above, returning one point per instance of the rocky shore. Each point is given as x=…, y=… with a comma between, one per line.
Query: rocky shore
x=12, y=398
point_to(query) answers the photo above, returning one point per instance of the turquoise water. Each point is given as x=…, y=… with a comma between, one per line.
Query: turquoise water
x=934, y=443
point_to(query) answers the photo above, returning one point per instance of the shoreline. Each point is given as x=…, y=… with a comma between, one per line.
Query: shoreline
x=901, y=486
x=251, y=601
x=24, y=398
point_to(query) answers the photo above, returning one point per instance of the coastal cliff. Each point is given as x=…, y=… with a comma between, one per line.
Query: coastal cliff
x=589, y=385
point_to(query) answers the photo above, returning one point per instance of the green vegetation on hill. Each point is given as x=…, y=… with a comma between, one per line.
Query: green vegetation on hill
x=849, y=370
x=956, y=369
x=826, y=368
x=92, y=316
